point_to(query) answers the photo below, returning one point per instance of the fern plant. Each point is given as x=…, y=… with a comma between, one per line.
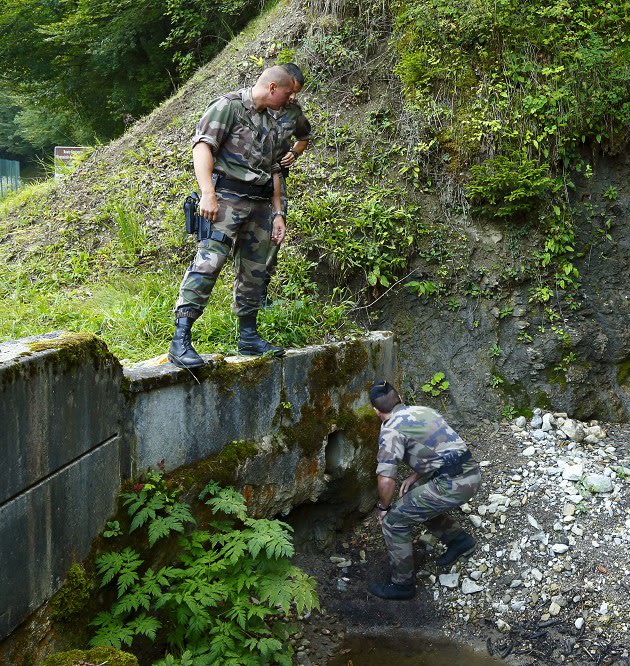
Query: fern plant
x=153, y=503
x=219, y=602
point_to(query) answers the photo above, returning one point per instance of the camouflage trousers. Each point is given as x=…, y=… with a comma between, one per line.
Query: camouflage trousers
x=426, y=504
x=247, y=222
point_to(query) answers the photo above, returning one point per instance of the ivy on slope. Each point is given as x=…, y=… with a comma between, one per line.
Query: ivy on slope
x=513, y=91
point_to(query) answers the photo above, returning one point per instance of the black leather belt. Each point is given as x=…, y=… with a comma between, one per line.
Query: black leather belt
x=246, y=189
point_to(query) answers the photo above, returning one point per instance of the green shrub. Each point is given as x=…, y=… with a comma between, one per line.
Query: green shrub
x=510, y=186
x=220, y=600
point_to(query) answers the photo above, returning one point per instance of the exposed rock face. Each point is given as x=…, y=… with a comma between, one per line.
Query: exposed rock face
x=594, y=382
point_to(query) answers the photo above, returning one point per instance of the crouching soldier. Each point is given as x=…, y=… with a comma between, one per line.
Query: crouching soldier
x=444, y=477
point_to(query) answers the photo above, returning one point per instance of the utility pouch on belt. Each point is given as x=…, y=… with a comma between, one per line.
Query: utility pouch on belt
x=201, y=226
x=453, y=461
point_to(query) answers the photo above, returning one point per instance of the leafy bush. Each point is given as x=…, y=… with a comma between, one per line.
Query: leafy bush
x=221, y=600
x=513, y=75
x=510, y=186
x=359, y=236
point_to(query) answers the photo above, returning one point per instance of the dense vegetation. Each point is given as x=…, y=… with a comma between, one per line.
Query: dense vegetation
x=427, y=114
x=190, y=591
x=76, y=73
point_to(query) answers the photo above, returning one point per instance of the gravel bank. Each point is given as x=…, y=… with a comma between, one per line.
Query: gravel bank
x=549, y=582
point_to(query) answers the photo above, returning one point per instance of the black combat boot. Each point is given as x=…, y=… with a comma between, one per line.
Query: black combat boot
x=250, y=343
x=463, y=544
x=181, y=352
x=394, y=591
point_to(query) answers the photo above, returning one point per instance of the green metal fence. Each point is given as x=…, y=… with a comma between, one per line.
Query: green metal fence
x=9, y=176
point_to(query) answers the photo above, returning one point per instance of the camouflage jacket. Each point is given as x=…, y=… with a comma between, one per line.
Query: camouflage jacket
x=293, y=123
x=417, y=436
x=244, y=142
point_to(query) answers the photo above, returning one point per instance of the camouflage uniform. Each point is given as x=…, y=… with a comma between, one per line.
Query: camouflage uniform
x=293, y=123
x=245, y=145
x=420, y=437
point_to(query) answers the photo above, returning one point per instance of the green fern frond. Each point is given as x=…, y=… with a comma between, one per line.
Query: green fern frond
x=112, y=632
x=132, y=602
x=211, y=489
x=145, y=625
x=230, y=502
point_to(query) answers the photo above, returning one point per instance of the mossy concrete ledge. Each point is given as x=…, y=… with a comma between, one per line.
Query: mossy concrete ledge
x=74, y=425
x=60, y=445
x=182, y=418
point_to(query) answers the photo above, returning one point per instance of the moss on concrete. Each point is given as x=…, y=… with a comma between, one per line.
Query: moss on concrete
x=247, y=374
x=73, y=596
x=222, y=467
x=100, y=655
x=74, y=348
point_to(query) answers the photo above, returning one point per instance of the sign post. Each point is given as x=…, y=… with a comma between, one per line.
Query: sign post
x=64, y=156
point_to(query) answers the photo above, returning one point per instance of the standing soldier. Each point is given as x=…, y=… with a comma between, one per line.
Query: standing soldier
x=444, y=477
x=238, y=140
x=293, y=123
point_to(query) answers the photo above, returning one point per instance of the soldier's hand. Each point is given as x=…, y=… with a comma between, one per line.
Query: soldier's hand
x=279, y=230
x=209, y=206
x=381, y=515
x=288, y=159
x=407, y=483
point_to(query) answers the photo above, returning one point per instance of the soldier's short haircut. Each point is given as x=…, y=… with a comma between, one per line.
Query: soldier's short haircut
x=384, y=396
x=294, y=71
x=276, y=74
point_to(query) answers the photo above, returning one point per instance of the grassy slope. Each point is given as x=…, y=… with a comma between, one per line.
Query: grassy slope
x=104, y=251
x=378, y=198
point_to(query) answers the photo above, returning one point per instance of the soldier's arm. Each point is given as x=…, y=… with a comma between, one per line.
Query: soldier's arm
x=298, y=148
x=212, y=130
x=203, y=161
x=302, y=139
x=279, y=223
x=385, y=486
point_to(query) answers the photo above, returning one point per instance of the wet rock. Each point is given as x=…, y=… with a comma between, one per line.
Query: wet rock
x=470, y=587
x=573, y=472
x=554, y=609
x=503, y=626
x=573, y=430
x=548, y=422
x=475, y=520
x=449, y=580
x=598, y=483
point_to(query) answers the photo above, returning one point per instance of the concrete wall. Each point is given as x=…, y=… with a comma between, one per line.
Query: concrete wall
x=74, y=425
x=60, y=446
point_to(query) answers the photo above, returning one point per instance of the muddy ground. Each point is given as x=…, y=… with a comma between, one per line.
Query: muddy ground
x=593, y=577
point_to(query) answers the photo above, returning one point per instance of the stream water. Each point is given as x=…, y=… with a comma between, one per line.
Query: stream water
x=407, y=650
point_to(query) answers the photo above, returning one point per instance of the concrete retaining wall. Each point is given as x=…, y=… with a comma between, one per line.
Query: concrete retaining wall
x=74, y=425
x=60, y=410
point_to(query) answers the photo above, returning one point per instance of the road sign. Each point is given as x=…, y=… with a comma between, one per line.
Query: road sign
x=64, y=156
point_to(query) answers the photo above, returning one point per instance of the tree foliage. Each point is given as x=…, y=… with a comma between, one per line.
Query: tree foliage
x=78, y=71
